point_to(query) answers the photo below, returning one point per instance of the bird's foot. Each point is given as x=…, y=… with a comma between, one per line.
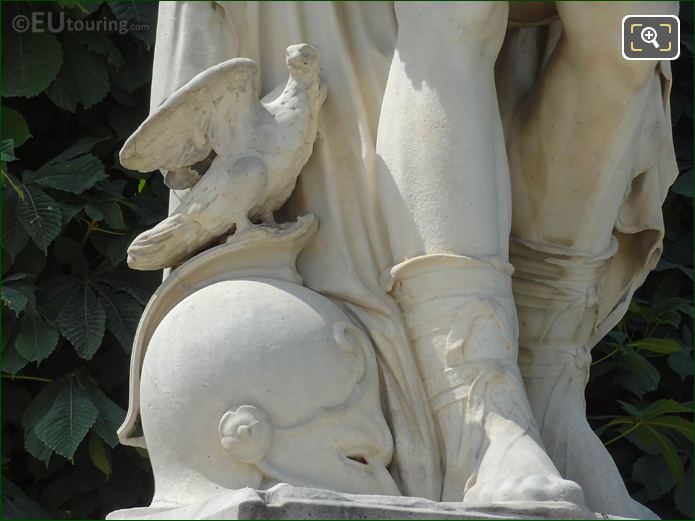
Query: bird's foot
x=242, y=225
x=167, y=244
x=268, y=219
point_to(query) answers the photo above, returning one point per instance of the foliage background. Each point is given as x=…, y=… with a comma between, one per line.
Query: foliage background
x=71, y=305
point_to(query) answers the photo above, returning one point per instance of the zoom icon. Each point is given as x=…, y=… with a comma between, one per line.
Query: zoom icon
x=651, y=37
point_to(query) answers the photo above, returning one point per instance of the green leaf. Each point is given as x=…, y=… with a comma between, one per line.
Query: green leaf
x=122, y=315
x=99, y=455
x=100, y=43
x=113, y=215
x=14, y=236
x=114, y=248
x=36, y=410
x=644, y=440
x=69, y=211
x=40, y=216
x=14, y=127
x=665, y=264
x=637, y=307
x=37, y=448
x=657, y=345
x=12, y=289
x=669, y=452
x=630, y=409
x=678, y=424
x=142, y=15
x=670, y=304
x=142, y=452
x=73, y=170
x=32, y=64
x=82, y=321
x=660, y=407
x=113, y=190
x=12, y=361
x=56, y=291
x=67, y=422
x=80, y=147
x=140, y=294
x=684, y=184
x=110, y=415
x=617, y=336
x=82, y=80
x=621, y=420
x=94, y=212
x=681, y=363
x=36, y=339
x=654, y=475
x=74, y=175
x=13, y=299
x=638, y=375
x=40, y=405
x=672, y=318
x=78, y=10
x=7, y=150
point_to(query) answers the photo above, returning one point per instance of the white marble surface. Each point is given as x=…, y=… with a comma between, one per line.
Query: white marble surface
x=286, y=502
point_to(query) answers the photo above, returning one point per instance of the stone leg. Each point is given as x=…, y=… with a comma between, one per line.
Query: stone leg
x=573, y=137
x=571, y=163
x=557, y=293
x=461, y=322
x=444, y=188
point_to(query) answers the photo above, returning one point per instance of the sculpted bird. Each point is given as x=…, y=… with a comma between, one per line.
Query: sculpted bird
x=255, y=150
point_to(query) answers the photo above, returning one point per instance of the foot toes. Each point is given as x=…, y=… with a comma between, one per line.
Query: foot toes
x=544, y=488
x=534, y=487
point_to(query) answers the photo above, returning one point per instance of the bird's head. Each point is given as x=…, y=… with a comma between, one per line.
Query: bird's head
x=303, y=61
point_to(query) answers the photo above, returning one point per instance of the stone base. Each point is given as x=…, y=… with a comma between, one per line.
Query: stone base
x=287, y=502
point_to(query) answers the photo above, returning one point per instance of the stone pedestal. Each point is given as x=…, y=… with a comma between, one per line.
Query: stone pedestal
x=287, y=502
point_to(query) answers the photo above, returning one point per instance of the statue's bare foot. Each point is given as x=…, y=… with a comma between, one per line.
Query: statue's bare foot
x=527, y=489
x=517, y=473
x=167, y=244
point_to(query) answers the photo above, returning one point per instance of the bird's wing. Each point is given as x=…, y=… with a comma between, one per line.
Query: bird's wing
x=177, y=133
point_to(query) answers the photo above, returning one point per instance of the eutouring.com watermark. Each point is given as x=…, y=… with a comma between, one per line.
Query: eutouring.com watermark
x=50, y=22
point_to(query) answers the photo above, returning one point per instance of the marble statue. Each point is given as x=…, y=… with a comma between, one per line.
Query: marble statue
x=464, y=212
